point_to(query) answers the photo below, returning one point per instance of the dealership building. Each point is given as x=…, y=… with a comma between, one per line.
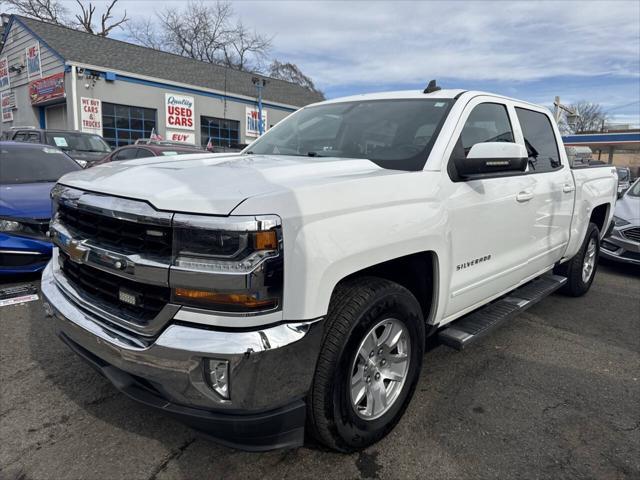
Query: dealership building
x=60, y=78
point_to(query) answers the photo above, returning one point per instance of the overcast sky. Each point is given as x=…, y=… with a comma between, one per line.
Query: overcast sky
x=531, y=50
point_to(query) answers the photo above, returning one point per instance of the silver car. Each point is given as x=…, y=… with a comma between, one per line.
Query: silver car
x=623, y=243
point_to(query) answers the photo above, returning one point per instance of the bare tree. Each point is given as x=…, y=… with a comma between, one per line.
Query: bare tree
x=246, y=50
x=53, y=11
x=591, y=118
x=211, y=33
x=107, y=22
x=292, y=73
x=50, y=11
x=205, y=32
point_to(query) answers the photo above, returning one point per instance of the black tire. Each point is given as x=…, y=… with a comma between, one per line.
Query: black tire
x=572, y=269
x=356, y=307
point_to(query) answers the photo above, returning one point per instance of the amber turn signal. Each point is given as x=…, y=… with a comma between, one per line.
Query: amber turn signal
x=238, y=299
x=267, y=240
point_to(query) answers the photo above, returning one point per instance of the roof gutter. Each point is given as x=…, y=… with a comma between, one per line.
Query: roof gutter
x=138, y=78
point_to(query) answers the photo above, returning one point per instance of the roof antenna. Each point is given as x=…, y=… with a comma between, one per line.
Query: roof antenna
x=432, y=87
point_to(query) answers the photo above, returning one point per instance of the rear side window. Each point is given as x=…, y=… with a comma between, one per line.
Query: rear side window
x=144, y=153
x=126, y=154
x=541, y=143
x=488, y=122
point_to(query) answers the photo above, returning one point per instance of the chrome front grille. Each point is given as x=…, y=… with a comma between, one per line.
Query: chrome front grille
x=632, y=234
x=105, y=289
x=123, y=236
x=114, y=257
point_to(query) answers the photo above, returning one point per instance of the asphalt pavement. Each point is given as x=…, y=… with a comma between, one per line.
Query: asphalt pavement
x=553, y=394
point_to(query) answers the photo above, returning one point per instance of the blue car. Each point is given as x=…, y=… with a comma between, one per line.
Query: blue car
x=28, y=172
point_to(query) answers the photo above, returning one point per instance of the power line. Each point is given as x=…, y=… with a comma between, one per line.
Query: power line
x=622, y=106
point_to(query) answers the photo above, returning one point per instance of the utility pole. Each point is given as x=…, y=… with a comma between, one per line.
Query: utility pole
x=260, y=83
x=572, y=116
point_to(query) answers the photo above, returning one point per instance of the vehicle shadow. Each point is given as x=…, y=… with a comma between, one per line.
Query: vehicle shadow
x=182, y=452
x=619, y=268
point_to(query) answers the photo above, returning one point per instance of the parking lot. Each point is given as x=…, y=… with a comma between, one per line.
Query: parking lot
x=553, y=394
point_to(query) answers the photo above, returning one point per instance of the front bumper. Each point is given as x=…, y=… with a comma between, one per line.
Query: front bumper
x=270, y=370
x=619, y=248
x=22, y=254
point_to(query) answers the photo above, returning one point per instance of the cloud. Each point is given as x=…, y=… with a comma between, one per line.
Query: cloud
x=370, y=43
x=531, y=50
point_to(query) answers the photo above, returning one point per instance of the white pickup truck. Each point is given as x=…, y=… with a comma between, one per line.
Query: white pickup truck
x=291, y=287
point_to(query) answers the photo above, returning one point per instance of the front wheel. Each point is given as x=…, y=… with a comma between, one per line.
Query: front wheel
x=581, y=269
x=369, y=363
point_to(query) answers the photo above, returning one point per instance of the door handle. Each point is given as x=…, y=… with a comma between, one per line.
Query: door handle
x=568, y=188
x=524, y=196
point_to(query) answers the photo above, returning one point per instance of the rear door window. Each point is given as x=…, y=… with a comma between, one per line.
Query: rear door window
x=541, y=143
x=33, y=137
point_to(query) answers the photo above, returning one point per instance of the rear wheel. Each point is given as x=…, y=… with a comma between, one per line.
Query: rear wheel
x=581, y=269
x=369, y=363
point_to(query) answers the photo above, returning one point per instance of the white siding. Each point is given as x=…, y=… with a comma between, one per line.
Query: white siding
x=14, y=49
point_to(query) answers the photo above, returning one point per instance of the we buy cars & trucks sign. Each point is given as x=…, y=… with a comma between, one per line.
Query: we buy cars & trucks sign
x=91, y=115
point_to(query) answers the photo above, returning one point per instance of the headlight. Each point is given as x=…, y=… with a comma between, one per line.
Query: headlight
x=10, y=226
x=619, y=222
x=231, y=264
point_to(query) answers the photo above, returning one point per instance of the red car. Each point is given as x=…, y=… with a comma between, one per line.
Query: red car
x=130, y=152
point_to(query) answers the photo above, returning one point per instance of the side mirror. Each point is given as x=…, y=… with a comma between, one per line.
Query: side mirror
x=492, y=157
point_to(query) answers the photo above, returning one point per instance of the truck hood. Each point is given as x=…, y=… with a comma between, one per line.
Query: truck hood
x=215, y=184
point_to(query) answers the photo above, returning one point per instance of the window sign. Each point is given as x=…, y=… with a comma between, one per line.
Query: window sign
x=91, y=117
x=252, y=125
x=179, y=112
x=7, y=108
x=4, y=73
x=34, y=67
x=60, y=141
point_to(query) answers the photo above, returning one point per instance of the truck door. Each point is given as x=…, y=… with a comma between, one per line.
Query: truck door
x=552, y=190
x=490, y=218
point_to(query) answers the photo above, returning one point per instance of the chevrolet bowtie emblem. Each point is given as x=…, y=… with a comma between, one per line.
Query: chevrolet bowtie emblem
x=77, y=252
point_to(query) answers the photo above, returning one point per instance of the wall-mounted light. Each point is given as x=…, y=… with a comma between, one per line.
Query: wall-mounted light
x=16, y=68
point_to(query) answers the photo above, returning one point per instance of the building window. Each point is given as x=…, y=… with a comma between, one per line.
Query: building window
x=123, y=125
x=223, y=133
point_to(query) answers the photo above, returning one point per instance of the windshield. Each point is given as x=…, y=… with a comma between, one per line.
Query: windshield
x=33, y=164
x=623, y=174
x=395, y=134
x=634, y=191
x=78, y=141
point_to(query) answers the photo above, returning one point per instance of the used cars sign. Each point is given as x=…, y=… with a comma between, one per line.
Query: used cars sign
x=179, y=112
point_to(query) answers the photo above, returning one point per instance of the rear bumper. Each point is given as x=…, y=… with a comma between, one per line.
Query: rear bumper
x=270, y=371
x=22, y=254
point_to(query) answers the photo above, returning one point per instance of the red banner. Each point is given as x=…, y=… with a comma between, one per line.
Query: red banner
x=47, y=89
